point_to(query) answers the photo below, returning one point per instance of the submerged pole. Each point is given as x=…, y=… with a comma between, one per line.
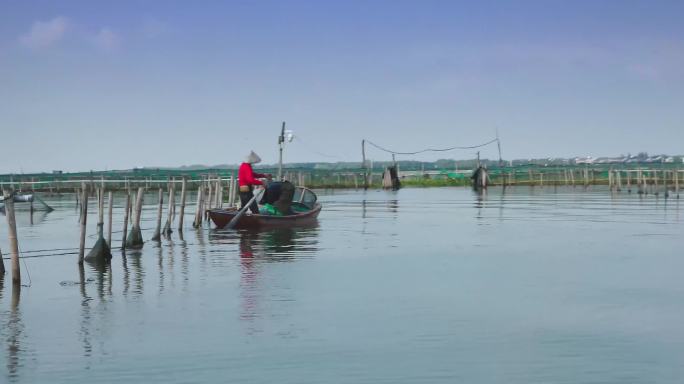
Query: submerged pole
x=125, y=222
x=109, y=226
x=363, y=164
x=100, y=250
x=135, y=239
x=172, y=205
x=84, y=217
x=157, y=232
x=198, y=212
x=182, y=207
x=219, y=193
x=231, y=191
x=12, y=235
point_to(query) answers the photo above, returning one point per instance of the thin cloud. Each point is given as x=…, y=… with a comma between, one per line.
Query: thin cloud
x=106, y=40
x=45, y=33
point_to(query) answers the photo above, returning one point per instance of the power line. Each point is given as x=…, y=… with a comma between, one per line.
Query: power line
x=431, y=149
x=299, y=139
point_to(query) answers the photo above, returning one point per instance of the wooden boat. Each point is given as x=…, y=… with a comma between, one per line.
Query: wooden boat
x=304, y=205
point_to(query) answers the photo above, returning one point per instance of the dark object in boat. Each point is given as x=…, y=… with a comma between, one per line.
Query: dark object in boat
x=304, y=207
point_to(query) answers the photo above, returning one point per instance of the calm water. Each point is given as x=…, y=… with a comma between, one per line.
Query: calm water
x=416, y=286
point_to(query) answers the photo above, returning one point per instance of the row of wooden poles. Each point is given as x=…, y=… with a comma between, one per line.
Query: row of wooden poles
x=210, y=195
x=615, y=177
x=71, y=185
x=646, y=181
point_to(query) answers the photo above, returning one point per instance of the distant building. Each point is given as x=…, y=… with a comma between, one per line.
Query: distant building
x=584, y=160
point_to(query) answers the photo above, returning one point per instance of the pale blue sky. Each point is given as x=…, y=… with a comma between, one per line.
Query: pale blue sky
x=94, y=85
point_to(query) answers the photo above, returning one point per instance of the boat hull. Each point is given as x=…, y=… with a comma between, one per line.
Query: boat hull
x=221, y=218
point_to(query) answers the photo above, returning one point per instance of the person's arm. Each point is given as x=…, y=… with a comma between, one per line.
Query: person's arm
x=252, y=180
x=252, y=177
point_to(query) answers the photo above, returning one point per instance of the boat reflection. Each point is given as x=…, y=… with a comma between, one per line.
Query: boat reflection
x=260, y=248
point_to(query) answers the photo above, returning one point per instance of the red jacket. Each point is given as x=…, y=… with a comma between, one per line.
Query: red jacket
x=247, y=176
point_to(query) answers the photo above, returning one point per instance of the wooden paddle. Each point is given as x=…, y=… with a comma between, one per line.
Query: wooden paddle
x=242, y=210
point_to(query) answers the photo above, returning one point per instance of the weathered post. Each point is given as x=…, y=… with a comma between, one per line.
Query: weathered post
x=135, y=239
x=100, y=250
x=572, y=177
x=84, y=217
x=219, y=195
x=211, y=194
x=172, y=206
x=198, y=213
x=12, y=235
x=206, y=201
x=676, y=180
x=109, y=226
x=619, y=181
x=130, y=207
x=157, y=232
x=125, y=222
x=231, y=191
x=610, y=179
x=363, y=164
x=182, y=207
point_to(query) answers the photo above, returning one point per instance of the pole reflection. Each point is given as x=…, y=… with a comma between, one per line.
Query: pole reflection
x=14, y=336
x=480, y=201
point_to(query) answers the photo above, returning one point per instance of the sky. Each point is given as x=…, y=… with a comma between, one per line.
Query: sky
x=90, y=85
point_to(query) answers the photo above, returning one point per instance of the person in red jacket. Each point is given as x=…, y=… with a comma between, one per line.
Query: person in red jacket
x=247, y=179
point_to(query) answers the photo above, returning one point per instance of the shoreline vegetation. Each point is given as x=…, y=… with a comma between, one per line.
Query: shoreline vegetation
x=429, y=175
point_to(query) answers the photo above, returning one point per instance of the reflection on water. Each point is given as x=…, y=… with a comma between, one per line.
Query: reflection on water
x=418, y=285
x=28, y=217
x=13, y=333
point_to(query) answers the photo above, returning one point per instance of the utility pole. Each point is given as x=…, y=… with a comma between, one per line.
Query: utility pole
x=498, y=144
x=281, y=142
x=363, y=164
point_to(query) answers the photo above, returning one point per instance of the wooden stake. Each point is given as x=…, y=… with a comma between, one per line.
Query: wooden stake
x=572, y=177
x=125, y=222
x=172, y=205
x=219, y=195
x=135, y=239
x=211, y=191
x=363, y=164
x=12, y=235
x=182, y=207
x=198, y=213
x=109, y=227
x=676, y=180
x=610, y=179
x=157, y=232
x=231, y=191
x=84, y=218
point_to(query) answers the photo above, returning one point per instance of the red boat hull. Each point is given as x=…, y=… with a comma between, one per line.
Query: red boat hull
x=221, y=218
